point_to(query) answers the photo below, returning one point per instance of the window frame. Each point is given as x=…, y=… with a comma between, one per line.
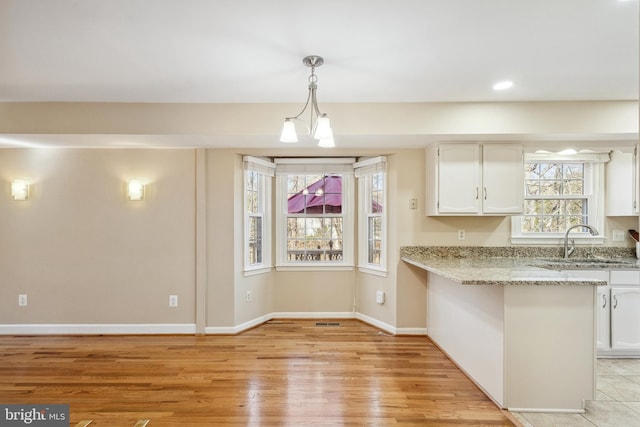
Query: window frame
x=265, y=171
x=365, y=170
x=315, y=166
x=593, y=193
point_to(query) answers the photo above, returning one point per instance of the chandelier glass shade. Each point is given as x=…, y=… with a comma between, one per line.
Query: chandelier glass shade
x=319, y=125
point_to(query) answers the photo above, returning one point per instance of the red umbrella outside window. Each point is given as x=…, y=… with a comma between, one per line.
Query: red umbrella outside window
x=323, y=196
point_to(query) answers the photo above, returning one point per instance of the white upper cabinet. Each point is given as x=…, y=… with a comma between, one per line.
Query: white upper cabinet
x=475, y=179
x=621, y=193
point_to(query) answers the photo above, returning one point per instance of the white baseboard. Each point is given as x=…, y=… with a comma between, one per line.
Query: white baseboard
x=97, y=329
x=214, y=330
x=411, y=331
x=553, y=411
x=232, y=330
x=190, y=328
x=378, y=324
x=312, y=315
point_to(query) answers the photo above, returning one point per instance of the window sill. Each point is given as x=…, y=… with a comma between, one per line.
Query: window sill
x=314, y=267
x=257, y=271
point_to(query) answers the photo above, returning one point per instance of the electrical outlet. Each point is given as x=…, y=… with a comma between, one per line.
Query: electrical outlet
x=22, y=300
x=413, y=203
x=173, y=300
x=460, y=234
x=618, y=236
x=249, y=296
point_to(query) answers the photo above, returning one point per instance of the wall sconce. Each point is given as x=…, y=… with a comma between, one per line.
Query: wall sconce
x=19, y=189
x=135, y=190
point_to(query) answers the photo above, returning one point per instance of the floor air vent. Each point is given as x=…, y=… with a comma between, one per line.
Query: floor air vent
x=327, y=323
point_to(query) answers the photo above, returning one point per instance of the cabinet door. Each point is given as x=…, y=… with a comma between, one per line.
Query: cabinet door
x=459, y=178
x=502, y=178
x=625, y=317
x=620, y=197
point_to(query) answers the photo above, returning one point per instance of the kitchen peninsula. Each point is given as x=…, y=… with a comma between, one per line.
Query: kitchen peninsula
x=525, y=334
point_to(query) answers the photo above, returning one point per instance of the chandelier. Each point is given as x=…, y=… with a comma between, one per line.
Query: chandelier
x=319, y=126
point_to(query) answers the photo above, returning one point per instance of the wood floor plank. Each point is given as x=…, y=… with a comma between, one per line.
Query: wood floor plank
x=288, y=372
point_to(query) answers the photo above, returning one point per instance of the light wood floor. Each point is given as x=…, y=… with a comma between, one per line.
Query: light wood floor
x=286, y=372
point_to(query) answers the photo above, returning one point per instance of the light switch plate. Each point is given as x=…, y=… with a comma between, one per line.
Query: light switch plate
x=618, y=235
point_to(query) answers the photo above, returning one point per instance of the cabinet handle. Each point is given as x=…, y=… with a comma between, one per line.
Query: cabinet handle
x=476, y=193
x=485, y=193
x=604, y=301
x=615, y=301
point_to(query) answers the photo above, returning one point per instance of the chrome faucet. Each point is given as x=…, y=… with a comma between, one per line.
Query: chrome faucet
x=569, y=250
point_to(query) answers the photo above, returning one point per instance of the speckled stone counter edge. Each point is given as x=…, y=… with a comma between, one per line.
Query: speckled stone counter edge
x=512, y=252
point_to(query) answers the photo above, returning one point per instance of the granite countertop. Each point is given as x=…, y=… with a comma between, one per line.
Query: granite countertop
x=514, y=266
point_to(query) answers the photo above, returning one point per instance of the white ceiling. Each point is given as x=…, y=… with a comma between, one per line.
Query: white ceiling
x=250, y=51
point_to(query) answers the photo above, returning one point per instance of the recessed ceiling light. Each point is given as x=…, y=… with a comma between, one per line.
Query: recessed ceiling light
x=503, y=85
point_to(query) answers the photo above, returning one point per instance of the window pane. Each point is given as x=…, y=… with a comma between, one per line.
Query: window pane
x=314, y=239
x=255, y=240
x=573, y=187
x=295, y=228
x=376, y=192
x=252, y=192
x=531, y=188
x=551, y=207
x=550, y=171
x=532, y=207
x=576, y=207
x=252, y=201
x=573, y=171
x=553, y=224
x=550, y=188
x=375, y=240
x=314, y=194
x=531, y=171
x=575, y=220
x=531, y=224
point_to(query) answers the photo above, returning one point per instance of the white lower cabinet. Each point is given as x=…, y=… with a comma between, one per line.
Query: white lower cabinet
x=625, y=310
x=618, y=311
x=625, y=318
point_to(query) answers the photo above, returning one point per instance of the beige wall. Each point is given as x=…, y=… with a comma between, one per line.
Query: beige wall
x=84, y=255
x=520, y=119
x=82, y=252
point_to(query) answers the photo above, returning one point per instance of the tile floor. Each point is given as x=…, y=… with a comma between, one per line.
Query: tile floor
x=617, y=402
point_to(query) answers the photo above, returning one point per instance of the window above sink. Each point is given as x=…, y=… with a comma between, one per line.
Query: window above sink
x=561, y=191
